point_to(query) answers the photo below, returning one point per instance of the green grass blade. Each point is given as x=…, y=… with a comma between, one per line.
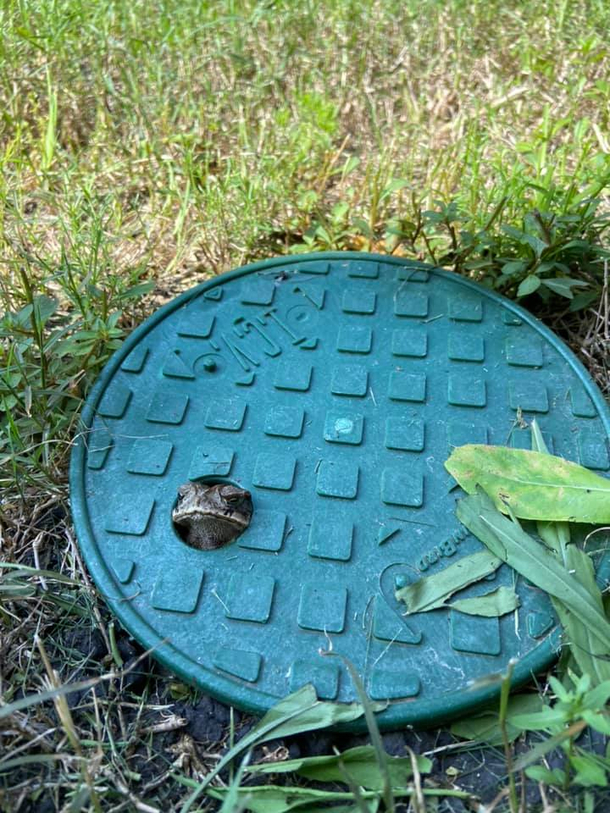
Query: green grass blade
x=510, y=543
x=375, y=735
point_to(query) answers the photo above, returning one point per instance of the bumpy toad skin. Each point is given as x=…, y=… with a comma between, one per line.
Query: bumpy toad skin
x=212, y=516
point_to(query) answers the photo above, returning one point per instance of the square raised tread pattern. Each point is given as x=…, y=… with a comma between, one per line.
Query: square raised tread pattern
x=411, y=342
x=257, y=291
x=405, y=434
x=467, y=390
x=466, y=347
x=341, y=426
x=524, y=351
x=330, y=537
x=149, y=456
x=129, y=514
x=211, y=460
x=465, y=306
x=364, y=270
x=226, y=414
x=349, y=379
x=529, y=396
x=285, y=422
x=400, y=486
x=410, y=303
x=250, y=597
x=356, y=300
x=593, y=450
x=177, y=589
x=477, y=636
x=322, y=608
x=323, y=676
x=407, y=386
x=393, y=684
x=115, y=401
x=265, y=532
x=167, y=407
x=337, y=479
x=354, y=339
x=293, y=375
x=274, y=470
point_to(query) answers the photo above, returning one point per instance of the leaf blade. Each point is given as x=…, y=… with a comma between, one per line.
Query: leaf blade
x=498, y=602
x=360, y=761
x=532, y=484
x=520, y=551
x=430, y=593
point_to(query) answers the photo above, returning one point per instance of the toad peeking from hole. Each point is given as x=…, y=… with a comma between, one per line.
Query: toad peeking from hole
x=210, y=516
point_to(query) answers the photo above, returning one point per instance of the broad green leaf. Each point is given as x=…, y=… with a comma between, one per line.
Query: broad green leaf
x=529, y=285
x=360, y=763
x=431, y=592
x=540, y=774
x=364, y=228
x=540, y=720
x=44, y=308
x=486, y=728
x=300, y=711
x=394, y=186
x=563, y=286
x=581, y=301
x=535, y=243
x=499, y=602
x=600, y=722
x=588, y=651
x=509, y=542
x=598, y=696
x=513, y=267
x=533, y=485
x=589, y=773
x=137, y=290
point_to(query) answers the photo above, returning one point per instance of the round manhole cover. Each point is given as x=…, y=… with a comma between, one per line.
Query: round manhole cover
x=332, y=387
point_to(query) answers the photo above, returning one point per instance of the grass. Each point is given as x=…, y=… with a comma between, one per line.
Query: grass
x=145, y=146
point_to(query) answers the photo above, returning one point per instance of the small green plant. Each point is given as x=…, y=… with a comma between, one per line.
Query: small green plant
x=52, y=348
x=558, y=251
x=577, y=706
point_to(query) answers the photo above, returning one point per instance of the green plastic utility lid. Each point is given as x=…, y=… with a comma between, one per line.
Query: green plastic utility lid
x=333, y=387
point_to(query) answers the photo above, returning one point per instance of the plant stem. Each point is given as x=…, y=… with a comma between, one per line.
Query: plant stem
x=508, y=751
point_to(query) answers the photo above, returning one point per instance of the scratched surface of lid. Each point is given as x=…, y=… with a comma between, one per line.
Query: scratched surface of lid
x=333, y=387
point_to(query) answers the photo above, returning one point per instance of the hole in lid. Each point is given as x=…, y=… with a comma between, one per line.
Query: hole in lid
x=211, y=513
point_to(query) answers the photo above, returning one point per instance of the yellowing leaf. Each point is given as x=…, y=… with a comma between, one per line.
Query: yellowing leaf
x=532, y=485
x=499, y=602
